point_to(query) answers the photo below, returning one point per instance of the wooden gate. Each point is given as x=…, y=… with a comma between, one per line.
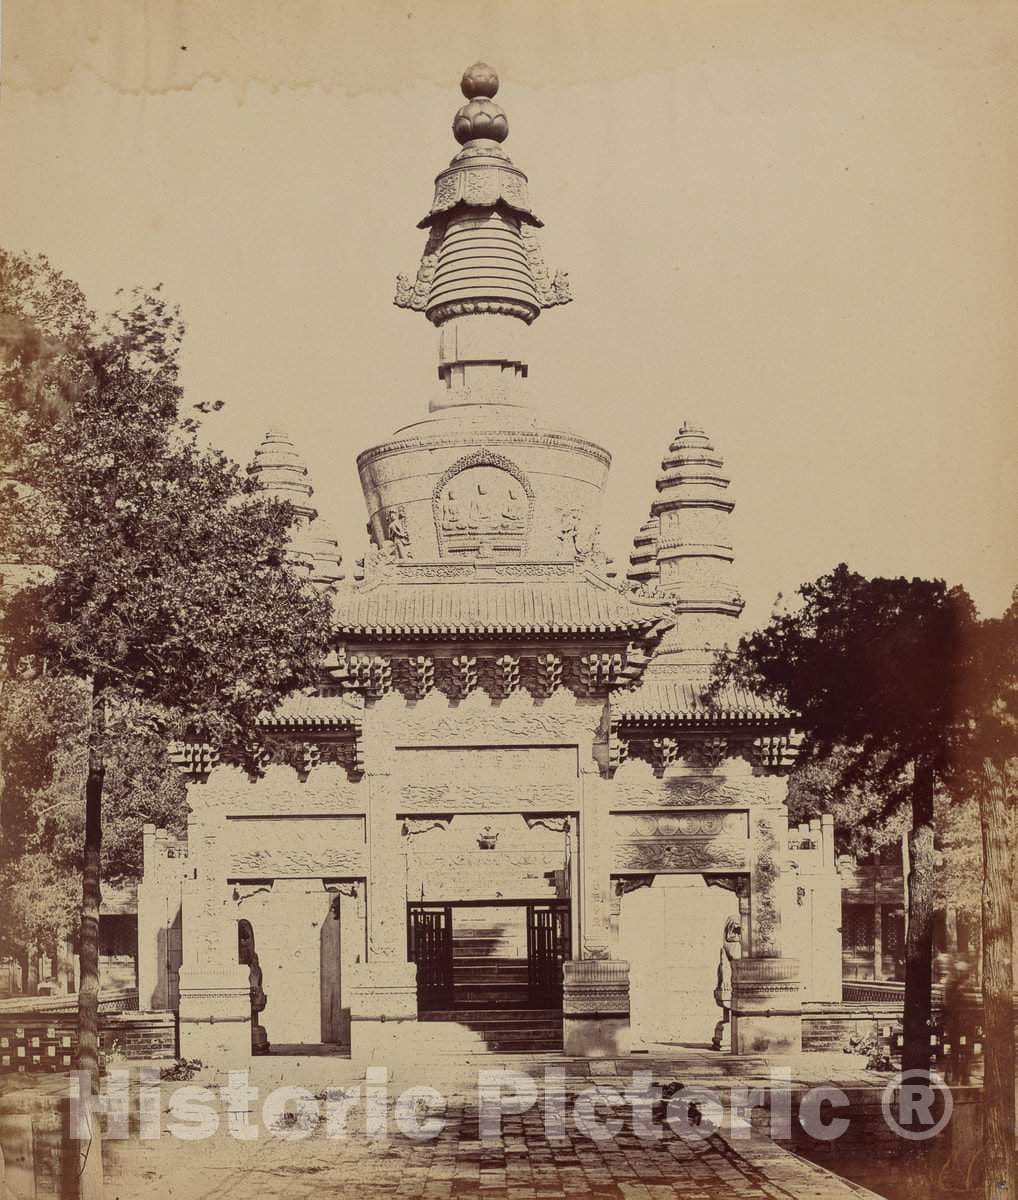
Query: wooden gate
x=429, y=937
x=547, y=948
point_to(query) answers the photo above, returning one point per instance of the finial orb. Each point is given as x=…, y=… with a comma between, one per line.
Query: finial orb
x=480, y=118
x=479, y=80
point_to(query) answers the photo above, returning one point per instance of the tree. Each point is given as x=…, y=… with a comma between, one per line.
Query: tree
x=875, y=666
x=43, y=745
x=863, y=822
x=987, y=766
x=168, y=593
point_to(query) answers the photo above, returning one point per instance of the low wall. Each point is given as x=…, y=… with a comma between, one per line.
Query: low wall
x=872, y=1154
x=39, y=1041
x=834, y=1025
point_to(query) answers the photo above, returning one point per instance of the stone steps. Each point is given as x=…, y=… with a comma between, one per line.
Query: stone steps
x=496, y=972
x=498, y=1019
x=491, y=1031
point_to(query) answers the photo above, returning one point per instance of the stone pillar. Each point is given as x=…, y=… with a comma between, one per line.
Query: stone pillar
x=766, y=1006
x=595, y=1008
x=595, y=987
x=151, y=929
x=766, y=986
x=386, y=897
x=383, y=1011
x=383, y=990
x=215, y=998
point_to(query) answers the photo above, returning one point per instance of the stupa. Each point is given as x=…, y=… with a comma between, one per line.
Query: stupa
x=510, y=816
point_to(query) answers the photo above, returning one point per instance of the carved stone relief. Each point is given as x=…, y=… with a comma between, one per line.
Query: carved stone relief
x=483, y=506
x=682, y=825
x=295, y=847
x=657, y=854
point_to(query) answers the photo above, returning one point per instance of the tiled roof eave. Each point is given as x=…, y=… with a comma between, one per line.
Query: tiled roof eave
x=297, y=722
x=708, y=718
x=486, y=632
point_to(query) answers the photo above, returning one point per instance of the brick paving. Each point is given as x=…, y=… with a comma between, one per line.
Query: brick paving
x=524, y=1163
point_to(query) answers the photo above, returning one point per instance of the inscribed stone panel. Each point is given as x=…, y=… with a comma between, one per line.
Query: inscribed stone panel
x=295, y=847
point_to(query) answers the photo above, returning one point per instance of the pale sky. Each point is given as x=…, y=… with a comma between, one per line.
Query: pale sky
x=793, y=222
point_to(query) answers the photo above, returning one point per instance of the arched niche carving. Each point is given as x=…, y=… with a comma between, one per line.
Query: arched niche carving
x=483, y=507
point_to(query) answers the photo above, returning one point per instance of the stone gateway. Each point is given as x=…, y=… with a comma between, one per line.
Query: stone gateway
x=509, y=816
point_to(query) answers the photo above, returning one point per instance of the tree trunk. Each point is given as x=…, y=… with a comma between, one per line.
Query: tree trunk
x=23, y=966
x=90, y=1152
x=998, y=983
x=32, y=975
x=919, y=939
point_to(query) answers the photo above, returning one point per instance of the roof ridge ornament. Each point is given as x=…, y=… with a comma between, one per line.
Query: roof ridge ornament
x=481, y=258
x=480, y=118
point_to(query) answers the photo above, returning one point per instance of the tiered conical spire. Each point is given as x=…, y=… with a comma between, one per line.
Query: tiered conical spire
x=694, y=550
x=683, y=551
x=482, y=256
x=643, y=569
x=280, y=472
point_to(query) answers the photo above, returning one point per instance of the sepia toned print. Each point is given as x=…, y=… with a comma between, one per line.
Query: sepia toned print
x=482, y=849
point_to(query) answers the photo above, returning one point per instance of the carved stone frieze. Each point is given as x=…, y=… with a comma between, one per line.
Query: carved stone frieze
x=635, y=786
x=703, y=824
x=481, y=797
x=434, y=721
x=281, y=847
x=555, y=824
x=595, y=986
x=414, y=826
x=296, y=860
x=659, y=854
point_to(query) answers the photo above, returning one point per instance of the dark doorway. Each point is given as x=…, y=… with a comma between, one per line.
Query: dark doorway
x=473, y=955
x=547, y=949
x=429, y=937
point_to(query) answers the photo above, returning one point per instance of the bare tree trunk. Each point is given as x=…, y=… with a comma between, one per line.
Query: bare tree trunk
x=23, y=957
x=32, y=976
x=919, y=938
x=90, y=1152
x=998, y=985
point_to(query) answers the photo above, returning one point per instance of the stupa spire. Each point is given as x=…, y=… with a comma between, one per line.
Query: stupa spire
x=683, y=552
x=278, y=470
x=482, y=277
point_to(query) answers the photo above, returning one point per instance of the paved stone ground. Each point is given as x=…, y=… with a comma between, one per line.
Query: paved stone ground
x=523, y=1164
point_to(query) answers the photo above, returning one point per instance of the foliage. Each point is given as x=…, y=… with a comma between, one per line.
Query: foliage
x=875, y=668
x=165, y=588
x=872, y=1045
x=169, y=586
x=183, y=1068
x=40, y=905
x=863, y=822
